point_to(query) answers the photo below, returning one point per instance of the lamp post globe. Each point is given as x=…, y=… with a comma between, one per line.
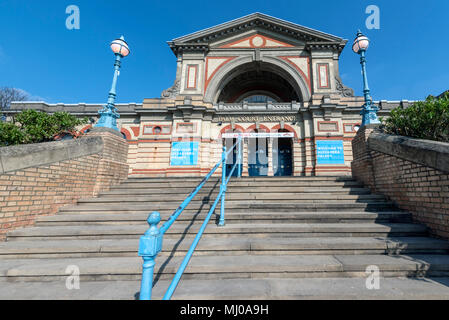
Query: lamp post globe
x=369, y=110
x=109, y=114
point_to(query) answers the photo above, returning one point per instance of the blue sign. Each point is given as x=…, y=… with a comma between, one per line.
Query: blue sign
x=184, y=154
x=330, y=152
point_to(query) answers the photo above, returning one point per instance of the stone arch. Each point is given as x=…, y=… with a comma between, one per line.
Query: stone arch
x=286, y=127
x=237, y=66
x=126, y=133
x=254, y=127
x=229, y=127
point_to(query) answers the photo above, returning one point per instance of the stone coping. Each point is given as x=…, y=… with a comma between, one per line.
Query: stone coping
x=430, y=153
x=32, y=155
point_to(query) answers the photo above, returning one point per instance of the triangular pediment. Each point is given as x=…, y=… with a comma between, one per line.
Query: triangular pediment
x=256, y=40
x=266, y=31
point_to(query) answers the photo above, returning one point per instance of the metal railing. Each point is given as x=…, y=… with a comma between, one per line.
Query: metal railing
x=151, y=242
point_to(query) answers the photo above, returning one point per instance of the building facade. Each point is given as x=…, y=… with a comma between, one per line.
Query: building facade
x=275, y=83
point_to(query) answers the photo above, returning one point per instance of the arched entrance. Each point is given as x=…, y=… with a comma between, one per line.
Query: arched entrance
x=271, y=76
x=258, y=82
x=283, y=156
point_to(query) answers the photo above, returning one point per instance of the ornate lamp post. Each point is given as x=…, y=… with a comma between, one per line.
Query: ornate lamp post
x=109, y=115
x=369, y=111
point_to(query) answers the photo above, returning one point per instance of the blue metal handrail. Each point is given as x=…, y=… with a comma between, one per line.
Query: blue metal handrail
x=151, y=242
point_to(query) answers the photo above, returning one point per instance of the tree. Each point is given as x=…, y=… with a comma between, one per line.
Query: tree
x=8, y=95
x=427, y=119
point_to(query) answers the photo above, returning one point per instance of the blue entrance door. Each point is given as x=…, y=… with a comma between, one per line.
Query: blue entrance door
x=257, y=157
x=282, y=157
x=232, y=157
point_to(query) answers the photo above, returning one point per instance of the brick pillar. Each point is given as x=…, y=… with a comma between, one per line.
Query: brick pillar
x=112, y=167
x=362, y=163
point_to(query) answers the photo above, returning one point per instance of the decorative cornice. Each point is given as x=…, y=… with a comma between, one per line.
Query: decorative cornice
x=178, y=48
x=333, y=46
x=260, y=21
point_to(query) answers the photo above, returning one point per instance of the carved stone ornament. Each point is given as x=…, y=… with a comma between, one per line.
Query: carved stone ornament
x=255, y=118
x=173, y=91
x=342, y=89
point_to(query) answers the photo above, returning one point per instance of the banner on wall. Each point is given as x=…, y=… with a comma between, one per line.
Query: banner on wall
x=184, y=154
x=330, y=152
x=258, y=135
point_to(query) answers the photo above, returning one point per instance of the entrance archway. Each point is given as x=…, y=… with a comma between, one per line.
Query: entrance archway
x=258, y=83
x=272, y=77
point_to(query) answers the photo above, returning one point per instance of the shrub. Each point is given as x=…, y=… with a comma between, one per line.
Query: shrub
x=32, y=126
x=427, y=119
x=10, y=134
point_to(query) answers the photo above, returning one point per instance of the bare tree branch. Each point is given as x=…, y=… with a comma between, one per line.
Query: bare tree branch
x=8, y=95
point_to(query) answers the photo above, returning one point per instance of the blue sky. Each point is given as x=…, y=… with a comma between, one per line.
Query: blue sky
x=408, y=57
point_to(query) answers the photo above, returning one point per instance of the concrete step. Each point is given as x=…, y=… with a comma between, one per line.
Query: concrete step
x=258, y=205
x=231, y=217
x=189, y=185
x=230, y=267
x=238, y=289
x=238, y=245
x=178, y=230
x=253, y=190
x=304, y=197
x=246, y=179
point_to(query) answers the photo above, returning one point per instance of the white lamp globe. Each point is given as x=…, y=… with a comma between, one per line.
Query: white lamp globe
x=361, y=42
x=119, y=46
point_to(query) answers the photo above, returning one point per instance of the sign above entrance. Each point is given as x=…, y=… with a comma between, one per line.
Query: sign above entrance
x=258, y=135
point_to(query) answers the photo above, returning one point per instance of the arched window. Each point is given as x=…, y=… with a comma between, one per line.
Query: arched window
x=259, y=98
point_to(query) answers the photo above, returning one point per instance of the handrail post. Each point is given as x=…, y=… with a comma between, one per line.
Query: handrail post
x=239, y=169
x=223, y=187
x=149, y=246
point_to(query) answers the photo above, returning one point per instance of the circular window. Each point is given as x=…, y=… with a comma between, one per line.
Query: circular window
x=157, y=130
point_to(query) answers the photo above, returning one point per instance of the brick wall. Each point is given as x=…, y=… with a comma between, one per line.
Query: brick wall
x=413, y=173
x=64, y=172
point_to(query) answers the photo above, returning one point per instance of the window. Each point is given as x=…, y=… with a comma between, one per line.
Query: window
x=157, y=130
x=259, y=98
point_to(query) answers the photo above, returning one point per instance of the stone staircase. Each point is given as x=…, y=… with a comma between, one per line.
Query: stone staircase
x=285, y=238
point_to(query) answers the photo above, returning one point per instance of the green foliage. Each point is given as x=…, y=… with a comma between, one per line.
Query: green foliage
x=32, y=126
x=10, y=134
x=427, y=119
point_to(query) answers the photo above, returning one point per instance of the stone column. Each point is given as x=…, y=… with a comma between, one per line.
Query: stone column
x=245, y=158
x=309, y=144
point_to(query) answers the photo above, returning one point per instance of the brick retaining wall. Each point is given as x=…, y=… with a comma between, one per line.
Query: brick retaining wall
x=411, y=172
x=38, y=179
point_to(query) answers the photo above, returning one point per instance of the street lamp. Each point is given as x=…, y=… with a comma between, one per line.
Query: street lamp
x=109, y=115
x=369, y=111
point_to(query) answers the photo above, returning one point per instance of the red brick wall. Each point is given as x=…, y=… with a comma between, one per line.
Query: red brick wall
x=32, y=192
x=419, y=189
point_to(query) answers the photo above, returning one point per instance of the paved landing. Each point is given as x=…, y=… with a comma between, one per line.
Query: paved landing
x=238, y=289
